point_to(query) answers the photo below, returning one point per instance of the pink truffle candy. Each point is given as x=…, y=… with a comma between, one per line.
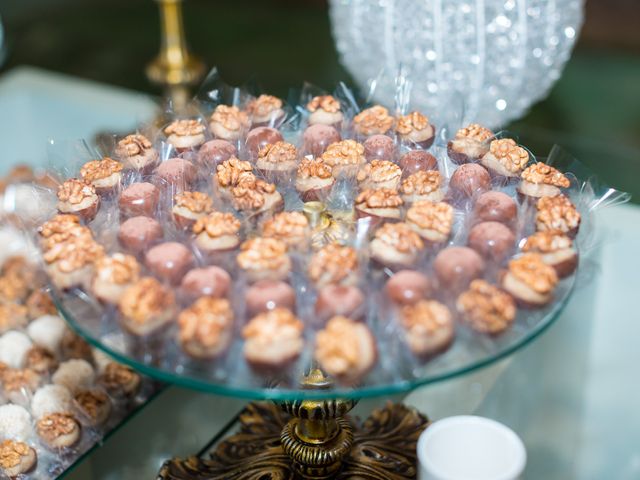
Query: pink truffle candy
x=469, y=180
x=214, y=152
x=407, y=287
x=345, y=300
x=318, y=137
x=495, y=207
x=177, y=173
x=139, y=233
x=493, y=240
x=139, y=199
x=269, y=294
x=169, y=261
x=379, y=147
x=455, y=267
x=210, y=282
x=260, y=137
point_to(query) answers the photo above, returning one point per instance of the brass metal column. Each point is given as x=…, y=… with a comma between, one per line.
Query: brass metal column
x=175, y=69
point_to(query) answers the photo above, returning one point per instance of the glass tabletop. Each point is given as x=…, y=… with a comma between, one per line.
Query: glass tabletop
x=393, y=373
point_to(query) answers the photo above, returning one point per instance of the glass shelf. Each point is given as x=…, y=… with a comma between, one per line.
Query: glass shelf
x=395, y=372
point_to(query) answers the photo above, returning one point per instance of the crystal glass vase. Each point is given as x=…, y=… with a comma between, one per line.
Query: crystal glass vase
x=489, y=59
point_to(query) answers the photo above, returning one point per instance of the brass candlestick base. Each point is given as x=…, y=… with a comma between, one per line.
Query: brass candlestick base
x=312, y=440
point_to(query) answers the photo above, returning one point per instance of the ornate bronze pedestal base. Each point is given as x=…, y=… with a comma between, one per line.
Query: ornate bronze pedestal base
x=383, y=448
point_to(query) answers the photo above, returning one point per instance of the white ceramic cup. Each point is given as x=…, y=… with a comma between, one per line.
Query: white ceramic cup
x=467, y=447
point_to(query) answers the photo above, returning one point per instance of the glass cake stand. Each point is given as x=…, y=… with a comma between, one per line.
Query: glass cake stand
x=303, y=431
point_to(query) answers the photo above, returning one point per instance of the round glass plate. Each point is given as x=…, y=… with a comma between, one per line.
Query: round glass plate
x=395, y=371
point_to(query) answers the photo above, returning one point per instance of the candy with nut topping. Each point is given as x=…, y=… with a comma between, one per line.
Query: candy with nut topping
x=264, y=258
x=217, y=232
x=277, y=160
x=136, y=152
x=530, y=281
x=324, y=110
x=92, y=407
x=105, y=175
x=266, y=110
x=255, y=197
x=314, y=179
x=415, y=129
x=205, y=329
x=273, y=339
x=396, y=245
x=146, y=307
x=16, y=458
x=470, y=144
x=188, y=207
x=12, y=316
x=70, y=264
x=345, y=158
x=432, y=221
x=79, y=198
x=542, y=180
x=185, y=134
x=422, y=185
x=258, y=138
x=556, y=250
x=58, y=430
x=373, y=121
x=119, y=380
x=379, y=174
x=229, y=123
x=378, y=204
x=290, y=227
x=486, y=308
x=505, y=158
x=230, y=173
x=113, y=275
x=557, y=213
x=346, y=349
x=334, y=264
x=428, y=328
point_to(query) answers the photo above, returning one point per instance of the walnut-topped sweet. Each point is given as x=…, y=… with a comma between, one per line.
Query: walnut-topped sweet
x=231, y=172
x=542, y=173
x=273, y=338
x=428, y=326
x=547, y=241
x=100, y=169
x=557, y=213
x=399, y=236
x=486, y=308
x=145, y=299
x=422, y=185
x=475, y=132
x=373, y=121
x=505, y=157
x=133, y=145
x=197, y=202
x=205, y=326
x=70, y=256
x=231, y=119
x=252, y=194
x=72, y=234
x=12, y=315
x=379, y=174
x=345, y=348
x=217, y=224
x=94, y=405
x=16, y=458
x=117, y=268
x=120, y=380
x=20, y=380
x=76, y=192
x=264, y=106
x=264, y=258
x=379, y=198
x=345, y=155
x=431, y=220
x=290, y=227
x=314, y=168
x=278, y=153
x=530, y=280
x=415, y=128
x=328, y=103
x=334, y=264
x=13, y=288
x=185, y=127
x=58, y=224
x=51, y=428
